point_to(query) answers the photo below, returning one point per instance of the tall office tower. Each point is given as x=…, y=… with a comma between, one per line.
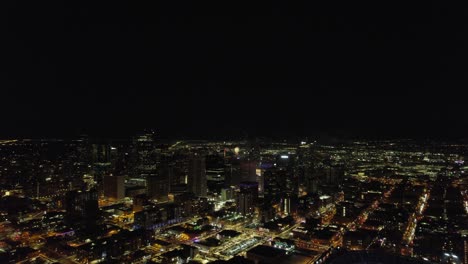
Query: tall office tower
x=267, y=212
x=260, y=180
x=100, y=153
x=286, y=204
x=334, y=174
x=263, y=167
x=103, y=162
x=82, y=208
x=158, y=184
x=227, y=193
x=245, y=203
x=179, y=162
x=275, y=183
x=197, y=175
x=311, y=180
x=232, y=172
x=101, y=170
x=303, y=161
x=77, y=158
x=116, y=152
x=166, y=172
x=215, y=168
x=145, y=154
x=309, y=163
x=80, y=150
x=284, y=160
x=250, y=187
x=248, y=170
x=114, y=187
x=270, y=187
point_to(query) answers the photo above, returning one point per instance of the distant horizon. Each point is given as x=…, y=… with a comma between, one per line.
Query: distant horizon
x=229, y=93
x=299, y=139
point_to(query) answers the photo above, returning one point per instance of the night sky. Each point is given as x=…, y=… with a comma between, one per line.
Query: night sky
x=201, y=70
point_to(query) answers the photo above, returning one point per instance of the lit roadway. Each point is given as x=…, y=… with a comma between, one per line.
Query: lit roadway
x=177, y=143
x=408, y=236
x=53, y=256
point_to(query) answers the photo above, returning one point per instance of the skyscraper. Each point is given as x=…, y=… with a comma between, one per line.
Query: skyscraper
x=245, y=203
x=250, y=187
x=248, y=170
x=157, y=185
x=286, y=204
x=101, y=153
x=311, y=180
x=247, y=198
x=334, y=175
x=114, y=187
x=232, y=172
x=82, y=208
x=197, y=175
x=146, y=156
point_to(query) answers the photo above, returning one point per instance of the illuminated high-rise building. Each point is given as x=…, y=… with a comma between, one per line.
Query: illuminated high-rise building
x=145, y=155
x=286, y=204
x=227, y=193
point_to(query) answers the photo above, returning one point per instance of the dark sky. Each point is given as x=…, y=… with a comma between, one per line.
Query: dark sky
x=285, y=68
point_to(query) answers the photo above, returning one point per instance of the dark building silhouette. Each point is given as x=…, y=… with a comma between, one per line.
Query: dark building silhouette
x=249, y=187
x=114, y=187
x=232, y=172
x=248, y=170
x=158, y=185
x=197, y=175
x=82, y=208
x=245, y=203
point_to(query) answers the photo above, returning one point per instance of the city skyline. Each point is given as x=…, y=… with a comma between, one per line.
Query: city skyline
x=195, y=132
x=146, y=200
